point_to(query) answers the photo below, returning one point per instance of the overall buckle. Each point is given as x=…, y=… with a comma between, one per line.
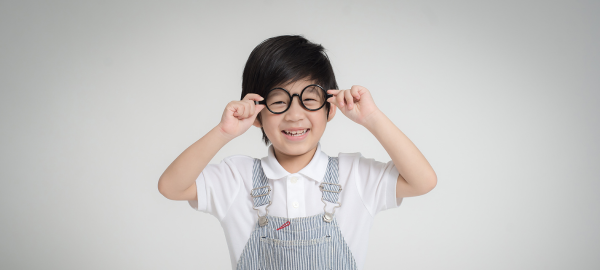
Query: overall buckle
x=328, y=217
x=262, y=220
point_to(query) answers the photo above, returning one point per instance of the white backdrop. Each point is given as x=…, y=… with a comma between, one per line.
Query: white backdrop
x=99, y=97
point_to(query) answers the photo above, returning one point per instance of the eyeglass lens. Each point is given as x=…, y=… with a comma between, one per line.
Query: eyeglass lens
x=312, y=97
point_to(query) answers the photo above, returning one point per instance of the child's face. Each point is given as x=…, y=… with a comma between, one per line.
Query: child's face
x=296, y=119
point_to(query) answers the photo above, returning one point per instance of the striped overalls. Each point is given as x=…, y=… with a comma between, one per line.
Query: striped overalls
x=313, y=242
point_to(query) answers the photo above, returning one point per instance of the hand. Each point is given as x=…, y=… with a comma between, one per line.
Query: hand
x=355, y=103
x=238, y=116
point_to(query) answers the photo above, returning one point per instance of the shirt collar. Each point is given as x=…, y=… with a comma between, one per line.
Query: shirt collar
x=315, y=169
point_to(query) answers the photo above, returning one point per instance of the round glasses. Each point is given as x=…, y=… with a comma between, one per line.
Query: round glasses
x=278, y=100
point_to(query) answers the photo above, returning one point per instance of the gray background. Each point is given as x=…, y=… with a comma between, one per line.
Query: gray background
x=99, y=97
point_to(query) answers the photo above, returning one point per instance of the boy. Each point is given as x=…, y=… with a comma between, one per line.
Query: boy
x=297, y=228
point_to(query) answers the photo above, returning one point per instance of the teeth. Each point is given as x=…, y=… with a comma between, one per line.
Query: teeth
x=295, y=133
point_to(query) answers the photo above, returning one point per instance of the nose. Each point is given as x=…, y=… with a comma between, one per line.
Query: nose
x=296, y=111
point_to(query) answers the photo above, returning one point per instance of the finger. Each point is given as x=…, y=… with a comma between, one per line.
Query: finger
x=246, y=110
x=241, y=110
x=250, y=104
x=252, y=99
x=333, y=92
x=333, y=101
x=355, y=91
x=340, y=98
x=349, y=99
x=333, y=98
x=253, y=96
x=257, y=109
x=237, y=109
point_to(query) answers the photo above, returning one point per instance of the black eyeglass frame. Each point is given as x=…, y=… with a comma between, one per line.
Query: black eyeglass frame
x=264, y=101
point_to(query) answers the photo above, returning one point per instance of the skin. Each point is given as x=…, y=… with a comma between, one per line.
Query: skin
x=416, y=177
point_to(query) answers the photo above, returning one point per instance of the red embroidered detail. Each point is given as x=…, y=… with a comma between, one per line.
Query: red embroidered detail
x=284, y=225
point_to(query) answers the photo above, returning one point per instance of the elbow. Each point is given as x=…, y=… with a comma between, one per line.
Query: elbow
x=163, y=190
x=175, y=194
x=430, y=184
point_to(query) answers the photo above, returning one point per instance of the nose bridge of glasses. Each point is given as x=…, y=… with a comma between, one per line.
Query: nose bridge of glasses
x=299, y=103
x=299, y=98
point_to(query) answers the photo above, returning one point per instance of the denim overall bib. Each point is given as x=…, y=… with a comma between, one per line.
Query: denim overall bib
x=313, y=242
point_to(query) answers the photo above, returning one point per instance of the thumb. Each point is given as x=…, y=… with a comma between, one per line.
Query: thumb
x=258, y=109
x=333, y=101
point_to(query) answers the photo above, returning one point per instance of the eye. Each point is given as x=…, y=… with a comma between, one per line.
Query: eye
x=277, y=103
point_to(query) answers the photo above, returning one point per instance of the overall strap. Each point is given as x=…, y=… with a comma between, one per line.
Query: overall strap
x=261, y=191
x=330, y=187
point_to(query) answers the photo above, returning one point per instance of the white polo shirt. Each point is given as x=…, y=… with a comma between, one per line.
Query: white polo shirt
x=368, y=186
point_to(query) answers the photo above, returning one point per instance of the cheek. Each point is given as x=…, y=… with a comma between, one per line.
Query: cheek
x=270, y=125
x=319, y=123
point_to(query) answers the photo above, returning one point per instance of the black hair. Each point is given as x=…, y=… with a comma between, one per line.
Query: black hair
x=286, y=59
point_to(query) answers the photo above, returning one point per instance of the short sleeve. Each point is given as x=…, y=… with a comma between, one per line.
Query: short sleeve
x=376, y=181
x=218, y=185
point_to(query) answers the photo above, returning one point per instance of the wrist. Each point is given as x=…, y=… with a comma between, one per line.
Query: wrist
x=373, y=119
x=223, y=136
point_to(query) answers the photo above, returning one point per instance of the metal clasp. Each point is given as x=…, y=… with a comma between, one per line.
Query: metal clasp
x=321, y=187
x=328, y=217
x=269, y=191
x=262, y=220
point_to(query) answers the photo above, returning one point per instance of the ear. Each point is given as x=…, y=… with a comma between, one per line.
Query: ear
x=256, y=122
x=332, y=109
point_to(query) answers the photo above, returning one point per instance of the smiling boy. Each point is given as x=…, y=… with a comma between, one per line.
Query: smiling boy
x=292, y=78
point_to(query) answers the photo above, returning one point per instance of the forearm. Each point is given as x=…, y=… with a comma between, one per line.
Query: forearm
x=407, y=158
x=186, y=168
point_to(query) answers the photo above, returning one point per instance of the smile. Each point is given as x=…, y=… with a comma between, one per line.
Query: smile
x=295, y=133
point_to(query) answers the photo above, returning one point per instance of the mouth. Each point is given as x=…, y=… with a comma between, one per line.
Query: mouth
x=296, y=134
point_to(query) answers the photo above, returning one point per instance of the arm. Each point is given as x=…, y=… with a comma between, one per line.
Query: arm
x=178, y=182
x=416, y=174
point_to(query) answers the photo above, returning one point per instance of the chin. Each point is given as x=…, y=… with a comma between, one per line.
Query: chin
x=295, y=149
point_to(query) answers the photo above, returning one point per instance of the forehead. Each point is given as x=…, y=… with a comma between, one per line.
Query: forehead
x=297, y=86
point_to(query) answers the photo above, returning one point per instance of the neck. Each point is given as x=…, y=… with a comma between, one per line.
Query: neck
x=294, y=163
